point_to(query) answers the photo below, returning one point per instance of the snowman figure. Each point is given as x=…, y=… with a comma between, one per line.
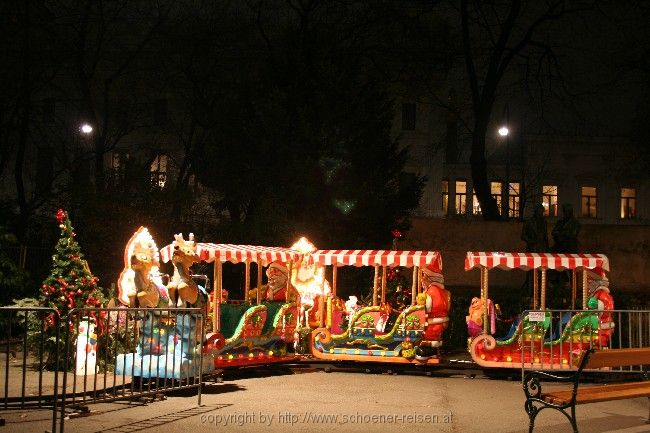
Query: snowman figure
x=86, y=359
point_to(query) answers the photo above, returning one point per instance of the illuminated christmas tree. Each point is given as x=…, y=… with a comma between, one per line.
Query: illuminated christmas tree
x=398, y=287
x=70, y=285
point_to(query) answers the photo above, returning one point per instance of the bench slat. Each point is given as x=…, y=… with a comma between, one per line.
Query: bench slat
x=596, y=394
x=619, y=357
x=562, y=398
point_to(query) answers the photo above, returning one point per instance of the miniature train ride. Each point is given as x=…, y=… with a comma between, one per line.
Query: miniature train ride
x=537, y=339
x=190, y=329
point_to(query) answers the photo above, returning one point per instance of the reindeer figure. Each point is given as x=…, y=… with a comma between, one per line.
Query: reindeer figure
x=182, y=288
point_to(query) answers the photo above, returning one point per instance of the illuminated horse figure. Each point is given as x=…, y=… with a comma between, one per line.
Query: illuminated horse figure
x=140, y=284
x=182, y=289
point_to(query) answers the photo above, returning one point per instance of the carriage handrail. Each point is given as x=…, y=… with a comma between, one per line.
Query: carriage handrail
x=626, y=328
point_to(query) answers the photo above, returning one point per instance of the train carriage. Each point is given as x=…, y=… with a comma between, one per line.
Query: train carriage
x=253, y=331
x=539, y=339
x=380, y=332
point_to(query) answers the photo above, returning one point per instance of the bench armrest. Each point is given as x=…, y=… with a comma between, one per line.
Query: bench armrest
x=533, y=387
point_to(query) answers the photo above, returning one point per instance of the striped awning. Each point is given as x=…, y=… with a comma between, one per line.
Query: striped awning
x=376, y=257
x=209, y=252
x=490, y=260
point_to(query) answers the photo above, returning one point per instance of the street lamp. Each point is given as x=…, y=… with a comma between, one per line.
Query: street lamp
x=86, y=128
x=504, y=131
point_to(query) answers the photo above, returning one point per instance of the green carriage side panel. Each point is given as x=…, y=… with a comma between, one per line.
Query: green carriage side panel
x=231, y=315
x=272, y=309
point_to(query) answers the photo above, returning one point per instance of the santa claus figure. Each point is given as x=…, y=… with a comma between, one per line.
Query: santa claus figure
x=598, y=285
x=278, y=282
x=436, y=307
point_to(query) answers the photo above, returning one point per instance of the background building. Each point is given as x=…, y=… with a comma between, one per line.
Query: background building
x=602, y=178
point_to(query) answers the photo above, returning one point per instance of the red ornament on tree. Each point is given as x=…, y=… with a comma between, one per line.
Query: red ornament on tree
x=60, y=216
x=397, y=235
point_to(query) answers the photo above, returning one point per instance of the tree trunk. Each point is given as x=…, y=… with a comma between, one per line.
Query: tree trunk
x=23, y=137
x=182, y=182
x=100, y=150
x=478, y=163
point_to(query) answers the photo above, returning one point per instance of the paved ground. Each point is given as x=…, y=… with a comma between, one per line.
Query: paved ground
x=313, y=400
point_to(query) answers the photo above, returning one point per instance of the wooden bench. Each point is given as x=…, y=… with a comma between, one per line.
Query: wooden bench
x=566, y=399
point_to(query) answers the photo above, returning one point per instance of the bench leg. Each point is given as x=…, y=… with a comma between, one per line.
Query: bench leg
x=532, y=412
x=574, y=424
x=531, y=422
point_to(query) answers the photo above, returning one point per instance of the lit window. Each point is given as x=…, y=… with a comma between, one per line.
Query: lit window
x=118, y=166
x=589, y=201
x=408, y=116
x=445, y=197
x=159, y=171
x=628, y=203
x=513, y=199
x=193, y=183
x=495, y=190
x=461, y=197
x=116, y=161
x=476, y=206
x=549, y=200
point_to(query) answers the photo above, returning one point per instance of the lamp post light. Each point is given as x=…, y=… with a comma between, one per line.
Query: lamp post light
x=86, y=128
x=504, y=131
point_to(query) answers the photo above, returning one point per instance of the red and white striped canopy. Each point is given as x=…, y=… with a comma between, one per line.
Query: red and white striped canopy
x=376, y=257
x=209, y=252
x=527, y=261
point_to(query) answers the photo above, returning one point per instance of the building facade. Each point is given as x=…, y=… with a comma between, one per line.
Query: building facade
x=602, y=178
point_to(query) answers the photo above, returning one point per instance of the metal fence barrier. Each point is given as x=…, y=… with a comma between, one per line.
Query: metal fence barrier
x=555, y=338
x=26, y=359
x=94, y=355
